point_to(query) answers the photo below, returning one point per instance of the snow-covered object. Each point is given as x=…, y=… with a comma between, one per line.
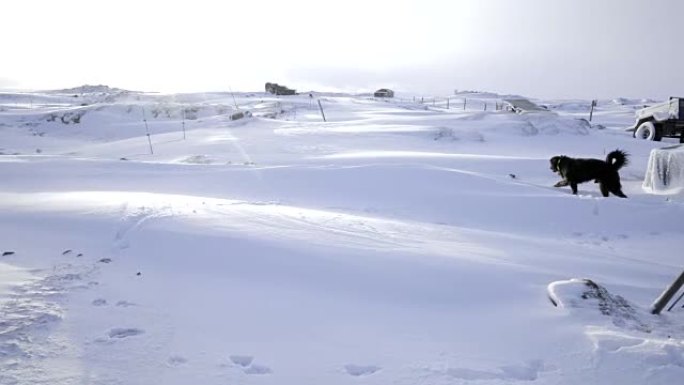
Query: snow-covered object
x=586, y=294
x=665, y=171
x=521, y=105
x=661, y=111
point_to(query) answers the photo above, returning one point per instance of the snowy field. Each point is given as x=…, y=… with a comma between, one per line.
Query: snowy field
x=396, y=243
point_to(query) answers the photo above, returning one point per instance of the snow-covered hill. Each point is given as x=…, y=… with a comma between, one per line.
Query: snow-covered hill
x=397, y=242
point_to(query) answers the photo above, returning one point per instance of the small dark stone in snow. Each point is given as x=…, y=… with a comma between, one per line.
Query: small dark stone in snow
x=123, y=158
x=139, y=274
x=65, y=252
x=6, y=253
x=105, y=260
x=79, y=254
x=512, y=176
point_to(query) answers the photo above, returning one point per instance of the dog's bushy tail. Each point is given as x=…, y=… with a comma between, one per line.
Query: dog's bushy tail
x=617, y=159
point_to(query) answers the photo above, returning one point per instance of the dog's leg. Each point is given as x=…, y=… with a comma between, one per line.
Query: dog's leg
x=573, y=186
x=604, y=189
x=616, y=190
x=562, y=183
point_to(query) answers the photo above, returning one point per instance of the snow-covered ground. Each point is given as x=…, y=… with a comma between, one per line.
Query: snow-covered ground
x=396, y=243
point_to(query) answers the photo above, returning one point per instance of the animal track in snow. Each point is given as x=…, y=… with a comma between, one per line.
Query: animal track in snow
x=124, y=332
x=361, y=370
x=243, y=361
x=176, y=360
x=132, y=221
x=529, y=372
x=258, y=369
x=99, y=302
x=246, y=363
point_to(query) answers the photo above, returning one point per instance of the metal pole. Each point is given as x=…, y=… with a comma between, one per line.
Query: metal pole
x=464, y=104
x=667, y=295
x=447, y=103
x=147, y=130
x=321, y=107
x=591, y=113
x=675, y=302
x=234, y=101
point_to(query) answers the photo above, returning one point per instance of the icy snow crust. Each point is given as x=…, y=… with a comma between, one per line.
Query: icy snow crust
x=397, y=243
x=665, y=171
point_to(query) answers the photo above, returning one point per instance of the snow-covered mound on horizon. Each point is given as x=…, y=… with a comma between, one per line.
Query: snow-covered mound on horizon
x=89, y=89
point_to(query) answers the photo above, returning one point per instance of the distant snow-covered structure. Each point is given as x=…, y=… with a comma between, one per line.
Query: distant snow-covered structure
x=384, y=93
x=665, y=171
x=521, y=105
x=276, y=89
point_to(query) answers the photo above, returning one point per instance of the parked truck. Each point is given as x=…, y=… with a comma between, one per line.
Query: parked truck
x=662, y=120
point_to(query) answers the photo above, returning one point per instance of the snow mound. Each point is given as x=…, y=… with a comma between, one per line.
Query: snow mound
x=665, y=170
x=90, y=89
x=632, y=102
x=585, y=294
x=549, y=125
x=198, y=159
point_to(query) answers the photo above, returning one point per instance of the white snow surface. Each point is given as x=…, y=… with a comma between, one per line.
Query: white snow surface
x=396, y=243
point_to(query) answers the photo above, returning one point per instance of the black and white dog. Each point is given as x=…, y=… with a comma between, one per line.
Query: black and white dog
x=578, y=170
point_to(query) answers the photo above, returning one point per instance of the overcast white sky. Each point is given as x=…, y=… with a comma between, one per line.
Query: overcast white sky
x=542, y=48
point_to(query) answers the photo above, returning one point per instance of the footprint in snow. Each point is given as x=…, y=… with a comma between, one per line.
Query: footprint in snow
x=176, y=360
x=99, y=302
x=243, y=361
x=258, y=369
x=361, y=370
x=529, y=372
x=124, y=332
x=246, y=363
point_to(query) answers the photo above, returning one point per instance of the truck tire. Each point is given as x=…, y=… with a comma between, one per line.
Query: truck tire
x=647, y=131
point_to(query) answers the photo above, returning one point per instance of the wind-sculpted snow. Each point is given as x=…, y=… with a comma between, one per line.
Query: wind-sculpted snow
x=397, y=242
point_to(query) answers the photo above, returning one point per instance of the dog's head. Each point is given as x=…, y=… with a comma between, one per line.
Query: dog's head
x=556, y=162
